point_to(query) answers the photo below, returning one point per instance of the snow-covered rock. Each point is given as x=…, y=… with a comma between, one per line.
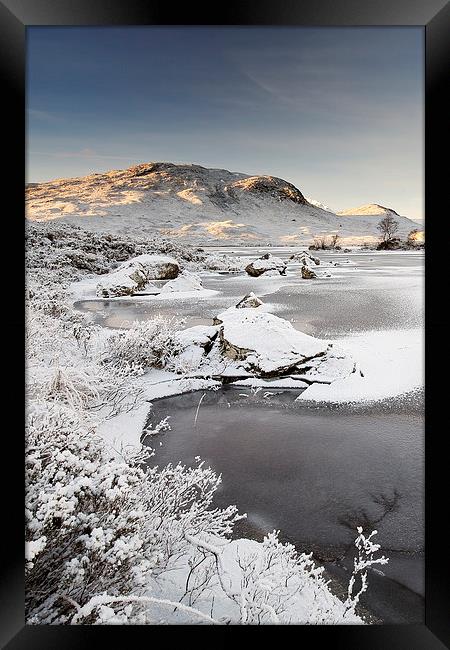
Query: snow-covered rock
x=307, y=273
x=335, y=364
x=254, y=341
x=305, y=259
x=186, y=281
x=201, y=335
x=264, y=264
x=154, y=267
x=250, y=300
x=194, y=343
x=135, y=274
x=123, y=282
x=268, y=345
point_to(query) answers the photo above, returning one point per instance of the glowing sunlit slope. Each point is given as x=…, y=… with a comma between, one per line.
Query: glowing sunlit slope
x=201, y=205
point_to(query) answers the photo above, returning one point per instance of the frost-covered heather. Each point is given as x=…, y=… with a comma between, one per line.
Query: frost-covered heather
x=68, y=250
x=109, y=540
x=146, y=344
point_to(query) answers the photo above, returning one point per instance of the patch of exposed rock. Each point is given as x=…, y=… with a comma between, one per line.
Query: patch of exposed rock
x=272, y=186
x=307, y=273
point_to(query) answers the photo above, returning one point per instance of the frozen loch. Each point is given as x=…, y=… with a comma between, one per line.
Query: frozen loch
x=312, y=447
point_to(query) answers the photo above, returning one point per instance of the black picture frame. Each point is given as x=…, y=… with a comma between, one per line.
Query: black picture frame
x=434, y=17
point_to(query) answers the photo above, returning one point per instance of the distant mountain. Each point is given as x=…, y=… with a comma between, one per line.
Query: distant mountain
x=371, y=209
x=371, y=214
x=200, y=205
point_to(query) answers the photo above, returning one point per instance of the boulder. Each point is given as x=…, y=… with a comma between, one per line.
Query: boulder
x=266, y=263
x=264, y=343
x=305, y=258
x=123, y=282
x=307, y=273
x=201, y=335
x=247, y=342
x=154, y=267
x=186, y=281
x=193, y=344
x=249, y=300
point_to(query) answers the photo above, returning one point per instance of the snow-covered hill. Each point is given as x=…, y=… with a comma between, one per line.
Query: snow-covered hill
x=371, y=209
x=203, y=206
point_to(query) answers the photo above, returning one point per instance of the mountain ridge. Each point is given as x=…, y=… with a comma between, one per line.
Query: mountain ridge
x=196, y=203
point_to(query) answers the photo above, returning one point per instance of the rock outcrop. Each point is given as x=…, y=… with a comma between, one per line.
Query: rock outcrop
x=264, y=264
x=249, y=300
x=307, y=273
x=275, y=187
x=135, y=274
x=154, y=267
x=305, y=259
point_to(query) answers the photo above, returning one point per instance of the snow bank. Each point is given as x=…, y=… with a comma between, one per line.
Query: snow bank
x=391, y=364
x=186, y=282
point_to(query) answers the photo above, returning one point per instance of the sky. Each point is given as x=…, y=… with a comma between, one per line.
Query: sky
x=337, y=111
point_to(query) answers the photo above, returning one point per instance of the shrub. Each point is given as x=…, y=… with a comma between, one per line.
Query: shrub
x=150, y=343
x=97, y=525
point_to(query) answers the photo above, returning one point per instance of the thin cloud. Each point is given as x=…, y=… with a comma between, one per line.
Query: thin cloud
x=83, y=153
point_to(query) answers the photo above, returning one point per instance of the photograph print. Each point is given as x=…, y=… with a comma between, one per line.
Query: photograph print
x=225, y=234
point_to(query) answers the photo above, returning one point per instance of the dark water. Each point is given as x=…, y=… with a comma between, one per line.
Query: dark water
x=315, y=473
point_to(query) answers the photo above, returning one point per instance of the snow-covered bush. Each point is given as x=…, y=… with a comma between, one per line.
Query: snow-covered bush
x=150, y=343
x=363, y=561
x=60, y=246
x=100, y=525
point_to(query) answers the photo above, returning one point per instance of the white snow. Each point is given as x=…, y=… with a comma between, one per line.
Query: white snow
x=184, y=283
x=391, y=361
x=154, y=267
x=272, y=341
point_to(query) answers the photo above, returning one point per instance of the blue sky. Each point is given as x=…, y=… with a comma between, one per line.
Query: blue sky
x=336, y=111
